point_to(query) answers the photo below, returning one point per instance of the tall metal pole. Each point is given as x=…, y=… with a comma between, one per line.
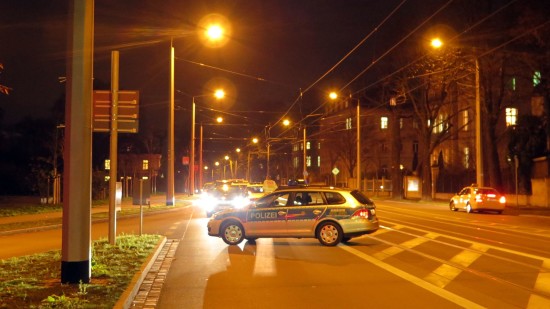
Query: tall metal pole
x=479, y=140
x=76, y=250
x=304, y=155
x=114, y=147
x=192, y=147
x=267, y=167
x=201, y=167
x=170, y=152
x=358, y=145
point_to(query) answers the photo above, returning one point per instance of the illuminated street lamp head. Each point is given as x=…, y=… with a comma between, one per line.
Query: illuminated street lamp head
x=255, y=140
x=226, y=157
x=217, y=163
x=219, y=120
x=238, y=150
x=286, y=122
x=219, y=94
x=333, y=95
x=214, y=32
x=436, y=43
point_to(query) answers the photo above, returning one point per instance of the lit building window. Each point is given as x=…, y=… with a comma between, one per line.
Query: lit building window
x=308, y=161
x=383, y=123
x=511, y=116
x=465, y=120
x=348, y=124
x=318, y=161
x=308, y=145
x=466, y=162
x=145, y=164
x=295, y=162
x=400, y=123
x=318, y=145
x=536, y=78
x=513, y=83
x=107, y=164
x=295, y=147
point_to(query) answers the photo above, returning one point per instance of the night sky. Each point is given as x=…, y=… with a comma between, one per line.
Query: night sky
x=277, y=49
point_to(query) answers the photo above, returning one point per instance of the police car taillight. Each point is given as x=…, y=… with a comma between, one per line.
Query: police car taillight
x=362, y=213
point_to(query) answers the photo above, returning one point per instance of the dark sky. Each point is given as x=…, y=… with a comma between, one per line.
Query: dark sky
x=277, y=47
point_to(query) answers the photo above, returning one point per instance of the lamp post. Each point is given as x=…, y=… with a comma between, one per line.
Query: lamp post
x=214, y=33
x=285, y=123
x=334, y=96
x=218, y=94
x=437, y=43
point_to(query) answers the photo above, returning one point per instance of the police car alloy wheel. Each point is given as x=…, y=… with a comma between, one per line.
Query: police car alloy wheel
x=329, y=234
x=232, y=233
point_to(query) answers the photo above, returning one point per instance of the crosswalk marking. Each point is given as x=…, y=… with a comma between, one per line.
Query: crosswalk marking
x=446, y=273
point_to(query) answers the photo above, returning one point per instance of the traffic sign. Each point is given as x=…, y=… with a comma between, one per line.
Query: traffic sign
x=128, y=111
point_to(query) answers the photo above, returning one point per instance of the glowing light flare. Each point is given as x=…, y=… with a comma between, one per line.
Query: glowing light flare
x=436, y=43
x=286, y=122
x=219, y=120
x=219, y=94
x=214, y=32
x=333, y=95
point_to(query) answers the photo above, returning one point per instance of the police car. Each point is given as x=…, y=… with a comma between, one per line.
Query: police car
x=330, y=215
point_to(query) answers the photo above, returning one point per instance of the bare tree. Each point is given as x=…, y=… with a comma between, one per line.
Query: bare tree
x=431, y=87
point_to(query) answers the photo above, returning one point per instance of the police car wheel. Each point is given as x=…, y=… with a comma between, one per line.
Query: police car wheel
x=232, y=233
x=329, y=234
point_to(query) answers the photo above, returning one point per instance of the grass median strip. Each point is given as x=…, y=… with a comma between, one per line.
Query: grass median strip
x=34, y=281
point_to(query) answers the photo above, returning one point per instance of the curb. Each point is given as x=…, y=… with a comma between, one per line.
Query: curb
x=127, y=297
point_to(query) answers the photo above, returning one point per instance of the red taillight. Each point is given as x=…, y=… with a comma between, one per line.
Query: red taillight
x=502, y=200
x=363, y=213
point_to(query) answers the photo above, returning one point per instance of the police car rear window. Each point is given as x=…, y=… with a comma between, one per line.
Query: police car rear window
x=361, y=198
x=334, y=198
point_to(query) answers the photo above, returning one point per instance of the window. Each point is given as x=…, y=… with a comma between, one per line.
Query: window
x=308, y=198
x=384, y=147
x=295, y=148
x=295, y=162
x=145, y=164
x=308, y=161
x=415, y=146
x=465, y=120
x=273, y=200
x=400, y=123
x=348, y=124
x=536, y=78
x=107, y=164
x=513, y=83
x=466, y=161
x=415, y=124
x=308, y=145
x=383, y=123
x=511, y=116
x=318, y=145
x=318, y=161
x=334, y=198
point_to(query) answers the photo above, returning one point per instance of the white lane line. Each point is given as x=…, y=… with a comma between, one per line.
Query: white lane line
x=460, y=301
x=446, y=273
x=264, y=263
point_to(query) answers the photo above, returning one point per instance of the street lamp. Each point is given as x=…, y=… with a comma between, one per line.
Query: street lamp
x=334, y=96
x=214, y=32
x=218, y=94
x=285, y=123
x=437, y=43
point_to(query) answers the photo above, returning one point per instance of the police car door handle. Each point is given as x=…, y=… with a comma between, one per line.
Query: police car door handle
x=317, y=212
x=281, y=213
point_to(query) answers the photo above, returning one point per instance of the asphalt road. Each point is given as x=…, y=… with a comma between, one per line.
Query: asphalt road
x=424, y=255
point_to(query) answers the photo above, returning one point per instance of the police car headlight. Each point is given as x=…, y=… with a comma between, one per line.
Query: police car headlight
x=240, y=202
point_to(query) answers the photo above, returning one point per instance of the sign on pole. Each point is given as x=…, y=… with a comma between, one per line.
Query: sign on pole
x=128, y=111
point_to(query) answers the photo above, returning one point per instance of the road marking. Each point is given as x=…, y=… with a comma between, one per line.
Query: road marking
x=460, y=301
x=264, y=263
x=446, y=273
x=542, y=285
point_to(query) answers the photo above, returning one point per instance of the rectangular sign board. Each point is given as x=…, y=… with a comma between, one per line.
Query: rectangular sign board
x=128, y=111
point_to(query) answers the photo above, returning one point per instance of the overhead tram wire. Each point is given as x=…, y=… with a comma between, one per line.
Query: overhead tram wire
x=343, y=59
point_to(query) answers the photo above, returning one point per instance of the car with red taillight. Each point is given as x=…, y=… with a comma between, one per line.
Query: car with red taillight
x=476, y=199
x=331, y=215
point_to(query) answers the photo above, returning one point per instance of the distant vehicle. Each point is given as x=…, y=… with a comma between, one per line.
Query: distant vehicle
x=255, y=191
x=224, y=196
x=474, y=198
x=330, y=215
x=208, y=187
